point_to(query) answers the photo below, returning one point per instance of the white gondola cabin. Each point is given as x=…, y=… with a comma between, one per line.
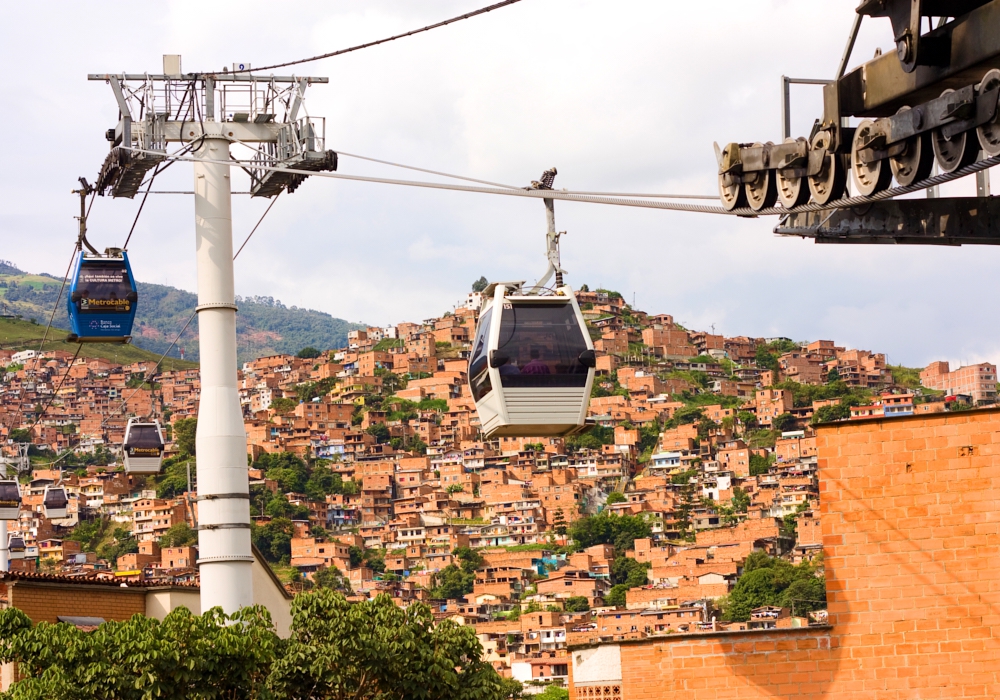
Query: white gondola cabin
x=10, y=499
x=55, y=502
x=532, y=365
x=15, y=547
x=143, y=447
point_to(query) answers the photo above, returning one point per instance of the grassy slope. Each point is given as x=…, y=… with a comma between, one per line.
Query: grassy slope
x=24, y=335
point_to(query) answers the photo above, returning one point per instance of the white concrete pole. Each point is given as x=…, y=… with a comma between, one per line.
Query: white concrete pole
x=225, y=558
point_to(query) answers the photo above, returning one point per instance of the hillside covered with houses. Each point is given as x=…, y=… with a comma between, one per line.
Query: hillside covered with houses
x=691, y=505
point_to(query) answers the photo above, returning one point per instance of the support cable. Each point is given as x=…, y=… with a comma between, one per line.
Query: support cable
x=623, y=200
x=58, y=387
x=446, y=22
x=186, y=324
x=259, y=222
x=151, y=372
x=159, y=169
x=432, y=172
x=41, y=344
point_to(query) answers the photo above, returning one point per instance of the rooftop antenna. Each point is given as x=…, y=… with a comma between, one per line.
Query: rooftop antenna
x=207, y=113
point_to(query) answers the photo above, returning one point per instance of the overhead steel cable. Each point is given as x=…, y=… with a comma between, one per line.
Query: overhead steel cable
x=151, y=372
x=467, y=15
x=41, y=344
x=432, y=172
x=259, y=222
x=624, y=200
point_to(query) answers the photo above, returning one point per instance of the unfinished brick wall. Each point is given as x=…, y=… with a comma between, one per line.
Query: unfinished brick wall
x=730, y=666
x=910, y=513
x=47, y=601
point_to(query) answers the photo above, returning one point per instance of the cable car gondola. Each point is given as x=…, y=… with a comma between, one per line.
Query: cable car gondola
x=15, y=547
x=102, y=298
x=10, y=499
x=532, y=363
x=143, y=447
x=532, y=366
x=54, y=502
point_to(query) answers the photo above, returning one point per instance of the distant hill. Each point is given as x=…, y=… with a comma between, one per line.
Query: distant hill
x=264, y=326
x=18, y=334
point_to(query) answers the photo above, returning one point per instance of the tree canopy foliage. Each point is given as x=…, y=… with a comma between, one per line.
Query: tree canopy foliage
x=618, y=530
x=773, y=581
x=372, y=650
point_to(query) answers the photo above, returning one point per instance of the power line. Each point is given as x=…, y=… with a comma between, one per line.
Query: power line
x=446, y=22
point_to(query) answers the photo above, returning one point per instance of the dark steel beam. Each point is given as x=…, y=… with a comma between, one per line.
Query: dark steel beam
x=945, y=221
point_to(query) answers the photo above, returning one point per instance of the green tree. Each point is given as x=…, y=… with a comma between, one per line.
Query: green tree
x=179, y=535
x=308, y=353
x=827, y=414
x=282, y=405
x=774, y=581
x=616, y=596
x=184, y=656
x=759, y=464
x=273, y=539
x=185, y=430
x=330, y=577
x=559, y=522
x=480, y=284
x=552, y=692
x=380, y=431
x=741, y=500
x=783, y=422
x=628, y=571
x=605, y=528
x=684, y=477
x=616, y=497
x=288, y=469
x=577, y=603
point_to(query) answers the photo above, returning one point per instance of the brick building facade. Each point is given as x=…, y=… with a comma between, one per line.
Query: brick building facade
x=909, y=527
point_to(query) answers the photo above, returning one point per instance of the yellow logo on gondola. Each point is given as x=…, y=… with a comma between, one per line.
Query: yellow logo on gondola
x=10, y=504
x=144, y=452
x=88, y=304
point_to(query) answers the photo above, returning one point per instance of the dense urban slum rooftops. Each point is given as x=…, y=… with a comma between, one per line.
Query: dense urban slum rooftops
x=368, y=472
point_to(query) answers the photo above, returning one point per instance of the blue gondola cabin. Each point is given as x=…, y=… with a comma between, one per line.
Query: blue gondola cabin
x=102, y=298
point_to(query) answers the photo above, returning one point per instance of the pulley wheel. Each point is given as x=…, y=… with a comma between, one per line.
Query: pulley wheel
x=829, y=183
x=792, y=191
x=954, y=153
x=760, y=187
x=733, y=196
x=989, y=133
x=872, y=177
x=915, y=162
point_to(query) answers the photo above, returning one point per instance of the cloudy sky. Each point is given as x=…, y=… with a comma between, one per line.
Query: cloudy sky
x=623, y=96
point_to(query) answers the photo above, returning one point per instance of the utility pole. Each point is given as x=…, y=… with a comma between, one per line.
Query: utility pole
x=207, y=112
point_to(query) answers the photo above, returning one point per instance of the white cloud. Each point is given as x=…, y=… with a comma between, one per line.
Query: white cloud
x=622, y=96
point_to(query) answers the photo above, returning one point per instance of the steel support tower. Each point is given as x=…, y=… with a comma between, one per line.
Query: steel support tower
x=208, y=113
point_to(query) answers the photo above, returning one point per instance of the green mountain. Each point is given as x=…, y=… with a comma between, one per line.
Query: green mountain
x=264, y=326
x=18, y=334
